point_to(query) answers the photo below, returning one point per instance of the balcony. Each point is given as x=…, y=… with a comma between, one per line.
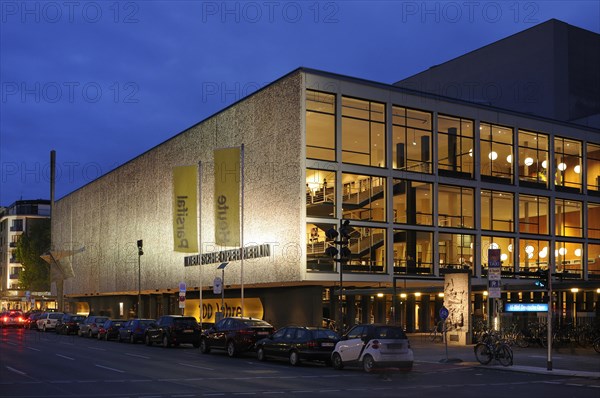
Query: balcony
x=16, y=228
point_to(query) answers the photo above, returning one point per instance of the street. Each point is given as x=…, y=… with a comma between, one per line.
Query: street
x=36, y=364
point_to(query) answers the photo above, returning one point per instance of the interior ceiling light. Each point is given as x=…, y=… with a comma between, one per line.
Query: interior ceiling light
x=493, y=155
x=504, y=257
x=577, y=169
x=509, y=158
x=562, y=251
x=562, y=166
x=578, y=252
x=528, y=161
x=545, y=164
x=529, y=249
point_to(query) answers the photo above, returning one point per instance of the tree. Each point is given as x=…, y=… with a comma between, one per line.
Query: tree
x=31, y=245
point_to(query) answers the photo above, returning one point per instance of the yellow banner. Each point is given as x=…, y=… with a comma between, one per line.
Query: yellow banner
x=233, y=307
x=185, y=222
x=227, y=196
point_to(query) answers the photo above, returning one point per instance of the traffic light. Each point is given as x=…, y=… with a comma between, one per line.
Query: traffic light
x=542, y=279
x=332, y=240
x=140, y=245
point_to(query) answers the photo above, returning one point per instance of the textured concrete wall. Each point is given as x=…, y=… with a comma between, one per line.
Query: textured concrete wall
x=134, y=202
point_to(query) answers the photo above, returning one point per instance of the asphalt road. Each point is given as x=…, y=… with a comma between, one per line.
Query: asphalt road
x=36, y=364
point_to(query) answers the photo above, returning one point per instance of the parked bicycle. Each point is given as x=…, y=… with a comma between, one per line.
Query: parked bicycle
x=596, y=344
x=486, y=351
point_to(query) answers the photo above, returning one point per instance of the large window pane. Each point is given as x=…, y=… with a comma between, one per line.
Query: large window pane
x=568, y=217
x=413, y=202
x=593, y=219
x=497, y=211
x=316, y=259
x=533, y=255
x=411, y=140
x=320, y=193
x=456, y=206
x=533, y=214
x=367, y=246
x=593, y=167
x=496, y=145
x=456, y=251
x=363, y=132
x=593, y=261
x=320, y=125
x=569, y=259
x=413, y=252
x=567, y=163
x=455, y=146
x=363, y=197
x=533, y=159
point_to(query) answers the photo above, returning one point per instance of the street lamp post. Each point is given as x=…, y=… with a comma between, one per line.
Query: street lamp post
x=140, y=245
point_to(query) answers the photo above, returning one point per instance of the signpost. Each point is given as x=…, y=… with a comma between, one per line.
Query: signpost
x=443, y=316
x=182, y=289
x=494, y=279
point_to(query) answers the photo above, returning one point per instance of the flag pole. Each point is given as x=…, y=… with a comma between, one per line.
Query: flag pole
x=242, y=231
x=199, y=221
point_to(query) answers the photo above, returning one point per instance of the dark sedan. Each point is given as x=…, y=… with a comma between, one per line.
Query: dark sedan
x=134, y=330
x=235, y=335
x=69, y=324
x=298, y=343
x=110, y=329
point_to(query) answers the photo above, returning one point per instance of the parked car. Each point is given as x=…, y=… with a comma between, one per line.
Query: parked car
x=31, y=320
x=373, y=346
x=89, y=327
x=173, y=330
x=235, y=335
x=298, y=343
x=110, y=329
x=69, y=324
x=134, y=330
x=47, y=321
x=12, y=319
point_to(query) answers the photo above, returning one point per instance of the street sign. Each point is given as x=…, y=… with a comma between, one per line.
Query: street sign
x=444, y=313
x=182, y=287
x=181, y=299
x=494, y=273
x=217, y=285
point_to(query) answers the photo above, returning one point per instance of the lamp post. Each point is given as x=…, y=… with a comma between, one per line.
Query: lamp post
x=140, y=245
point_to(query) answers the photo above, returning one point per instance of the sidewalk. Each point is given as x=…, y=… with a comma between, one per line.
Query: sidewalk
x=569, y=362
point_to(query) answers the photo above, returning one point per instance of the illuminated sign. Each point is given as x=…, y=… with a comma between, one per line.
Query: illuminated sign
x=526, y=307
x=248, y=252
x=231, y=307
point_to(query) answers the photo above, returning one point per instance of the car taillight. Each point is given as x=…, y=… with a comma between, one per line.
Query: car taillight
x=138, y=330
x=246, y=331
x=312, y=344
x=375, y=344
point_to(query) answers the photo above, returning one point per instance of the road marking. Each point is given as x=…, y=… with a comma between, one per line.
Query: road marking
x=107, y=368
x=16, y=371
x=137, y=356
x=194, y=366
x=33, y=349
x=65, y=357
x=96, y=348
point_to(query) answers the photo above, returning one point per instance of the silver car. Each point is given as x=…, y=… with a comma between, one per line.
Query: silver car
x=47, y=321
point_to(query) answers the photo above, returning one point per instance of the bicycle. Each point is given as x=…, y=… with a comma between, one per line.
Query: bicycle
x=596, y=344
x=500, y=351
x=437, y=333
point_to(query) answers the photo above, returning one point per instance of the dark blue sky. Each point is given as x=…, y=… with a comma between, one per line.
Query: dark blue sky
x=103, y=81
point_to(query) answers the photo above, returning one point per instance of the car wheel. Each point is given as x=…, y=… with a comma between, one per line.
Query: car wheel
x=204, y=348
x=368, y=363
x=44, y=328
x=165, y=342
x=260, y=354
x=231, y=351
x=336, y=361
x=148, y=341
x=294, y=358
x=90, y=334
x=132, y=338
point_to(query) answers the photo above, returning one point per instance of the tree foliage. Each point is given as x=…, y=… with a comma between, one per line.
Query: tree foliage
x=32, y=244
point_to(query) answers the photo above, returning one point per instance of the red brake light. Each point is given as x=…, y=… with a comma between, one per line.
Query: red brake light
x=246, y=331
x=375, y=344
x=312, y=344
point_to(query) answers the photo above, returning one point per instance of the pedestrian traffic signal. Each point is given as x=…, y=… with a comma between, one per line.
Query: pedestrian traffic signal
x=542, y=280
x=333, y=243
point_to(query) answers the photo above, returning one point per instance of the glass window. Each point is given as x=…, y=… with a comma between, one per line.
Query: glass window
x=367, y=246
x=456, y=251
x=533, y=255
x=567, y=163
x=506, y=253
x=593, y=167
x=316, y=259
x=593, y=261
x=496, y=146
x=456, y=206
x=569, y=259
x=413, y=252
x=363, y=132
x=363, y=197
x=411, y=140
x=568, y=217
x=533, y=214
x=533, y=158
x=320, y=125
x=455, y=146
x=413, y=202
x=497, y=210
x=320, y=193
x=593, y=219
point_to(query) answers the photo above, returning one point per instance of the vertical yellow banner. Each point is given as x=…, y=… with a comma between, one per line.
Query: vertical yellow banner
x=185, y=222
x=227, y=196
